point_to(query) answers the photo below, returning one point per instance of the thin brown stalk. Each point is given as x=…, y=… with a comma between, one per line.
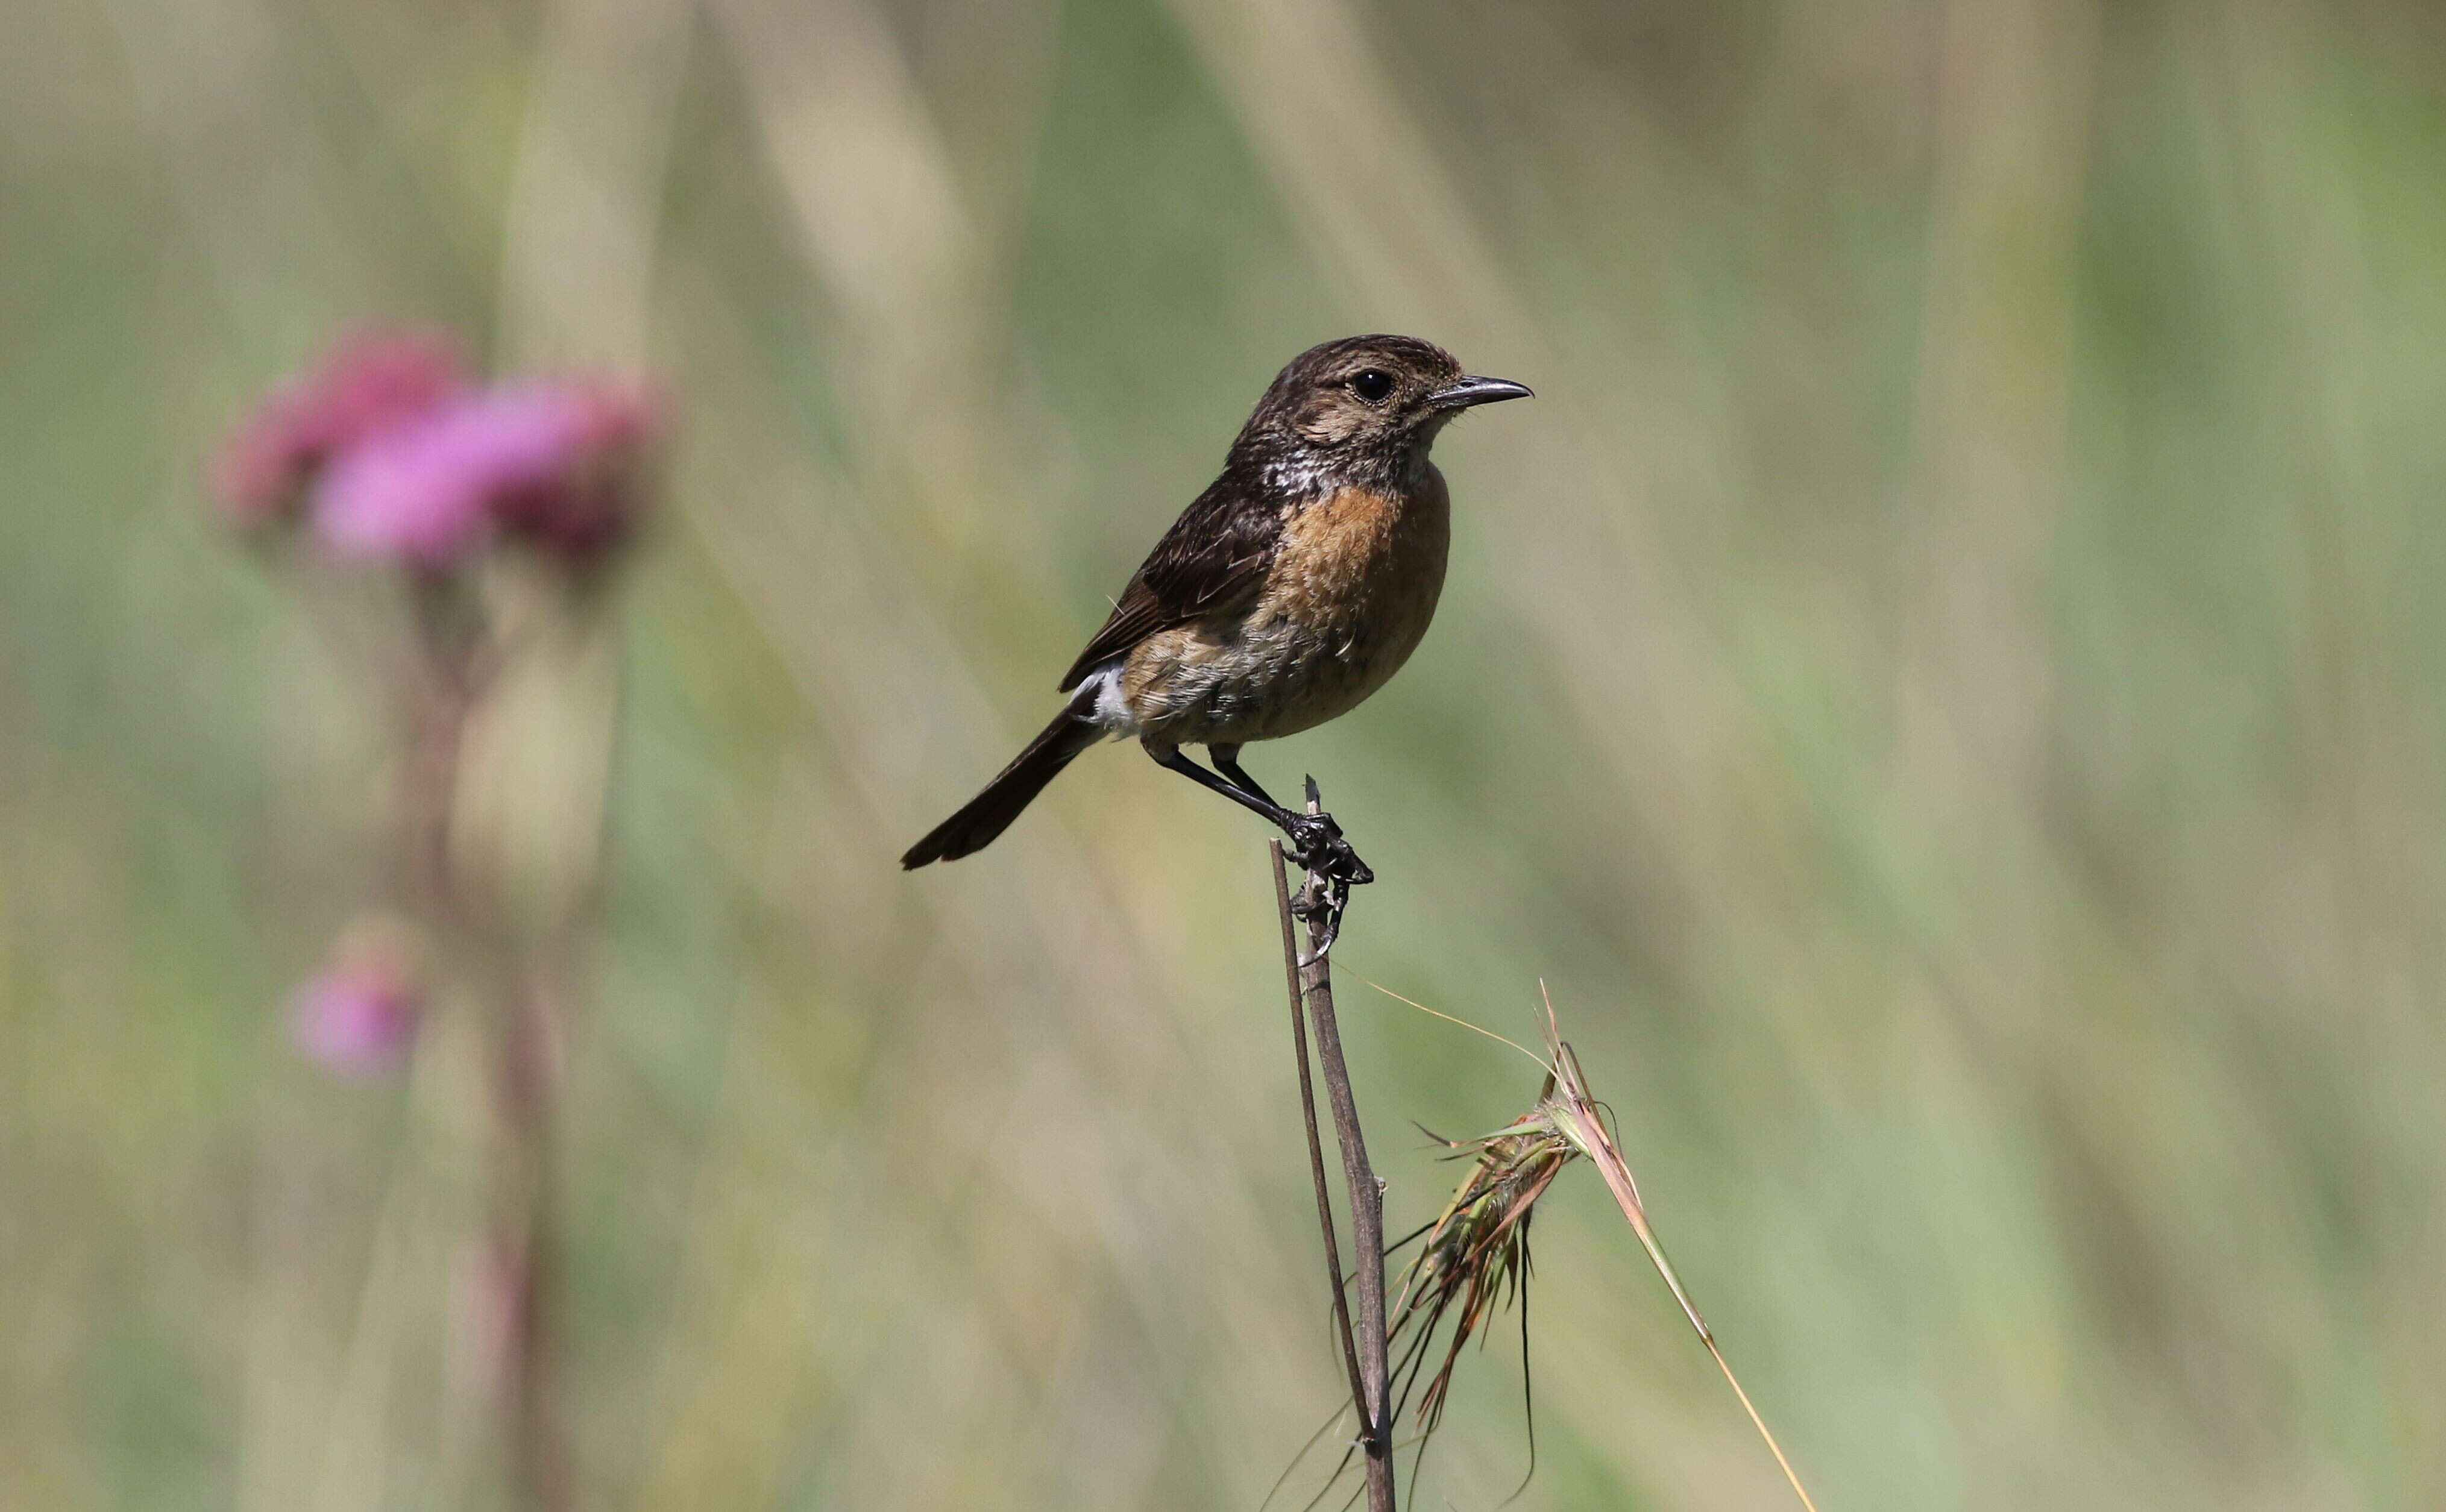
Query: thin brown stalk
x=1312, y=982
x=1307, y=1111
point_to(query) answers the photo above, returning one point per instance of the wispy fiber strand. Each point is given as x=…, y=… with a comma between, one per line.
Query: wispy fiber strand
x=1475, y=1253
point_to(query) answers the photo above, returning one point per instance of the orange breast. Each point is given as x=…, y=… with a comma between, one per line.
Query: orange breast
x=1348, y=597
x=1362, y=554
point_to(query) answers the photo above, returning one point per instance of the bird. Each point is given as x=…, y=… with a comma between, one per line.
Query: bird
x=1290, y=591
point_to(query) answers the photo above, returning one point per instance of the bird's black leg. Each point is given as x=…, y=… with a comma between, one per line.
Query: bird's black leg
x=1227, y=761
x=1171, y=757
x=1316, y=840
x=1339, y=860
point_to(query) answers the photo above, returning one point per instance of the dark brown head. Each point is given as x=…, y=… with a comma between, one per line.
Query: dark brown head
x=1364, y=409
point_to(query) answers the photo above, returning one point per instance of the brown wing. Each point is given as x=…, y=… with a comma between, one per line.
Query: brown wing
x=1216, y=551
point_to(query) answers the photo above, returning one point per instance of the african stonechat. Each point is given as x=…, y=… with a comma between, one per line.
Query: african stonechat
x=1292, y=589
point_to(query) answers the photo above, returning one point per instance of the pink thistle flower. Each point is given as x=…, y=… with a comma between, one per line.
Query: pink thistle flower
x=358, y=1015
x=553, y=462
x=367, y=383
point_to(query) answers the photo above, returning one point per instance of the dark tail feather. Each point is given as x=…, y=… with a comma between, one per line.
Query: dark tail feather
x=991, y=812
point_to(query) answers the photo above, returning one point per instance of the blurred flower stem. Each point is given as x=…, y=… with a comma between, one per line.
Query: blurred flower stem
x=501, y=1331
x=1311, y=994
x=504, y=1319
x=459, y=535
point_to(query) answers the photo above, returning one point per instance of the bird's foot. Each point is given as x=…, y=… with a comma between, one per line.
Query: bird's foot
x=1333, y=869
x=1317, y=845
x=1320, y=906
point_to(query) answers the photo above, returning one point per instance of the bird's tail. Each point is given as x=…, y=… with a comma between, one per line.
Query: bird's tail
x=991, y=811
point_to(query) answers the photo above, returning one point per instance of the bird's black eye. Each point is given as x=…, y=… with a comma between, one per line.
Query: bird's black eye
x=1372, y=385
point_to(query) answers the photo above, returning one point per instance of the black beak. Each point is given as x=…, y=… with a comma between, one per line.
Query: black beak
x=1470, y=391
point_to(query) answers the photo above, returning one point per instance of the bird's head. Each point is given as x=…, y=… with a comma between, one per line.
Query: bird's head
x=1362, y=409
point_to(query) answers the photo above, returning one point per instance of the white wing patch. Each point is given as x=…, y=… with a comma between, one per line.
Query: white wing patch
x=1110, y=711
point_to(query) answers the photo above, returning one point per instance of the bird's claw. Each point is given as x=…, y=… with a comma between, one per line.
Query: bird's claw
x=1317, y=845
x=1333, y=869
x=1321, y=905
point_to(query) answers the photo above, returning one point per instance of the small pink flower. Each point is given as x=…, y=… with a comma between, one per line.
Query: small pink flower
x=367, y=383
x=553, y=462
x=358, y=1015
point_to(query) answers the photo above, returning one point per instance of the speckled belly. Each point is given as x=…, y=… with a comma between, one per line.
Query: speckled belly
x=1348, y=598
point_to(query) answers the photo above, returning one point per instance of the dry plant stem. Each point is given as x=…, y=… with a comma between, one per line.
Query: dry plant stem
x=1626, y=1195
x=1315, y=992
x=1582, y=1120
x=1315, y=1144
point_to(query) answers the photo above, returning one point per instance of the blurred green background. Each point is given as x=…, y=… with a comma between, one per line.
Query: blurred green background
x=1945, y=683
